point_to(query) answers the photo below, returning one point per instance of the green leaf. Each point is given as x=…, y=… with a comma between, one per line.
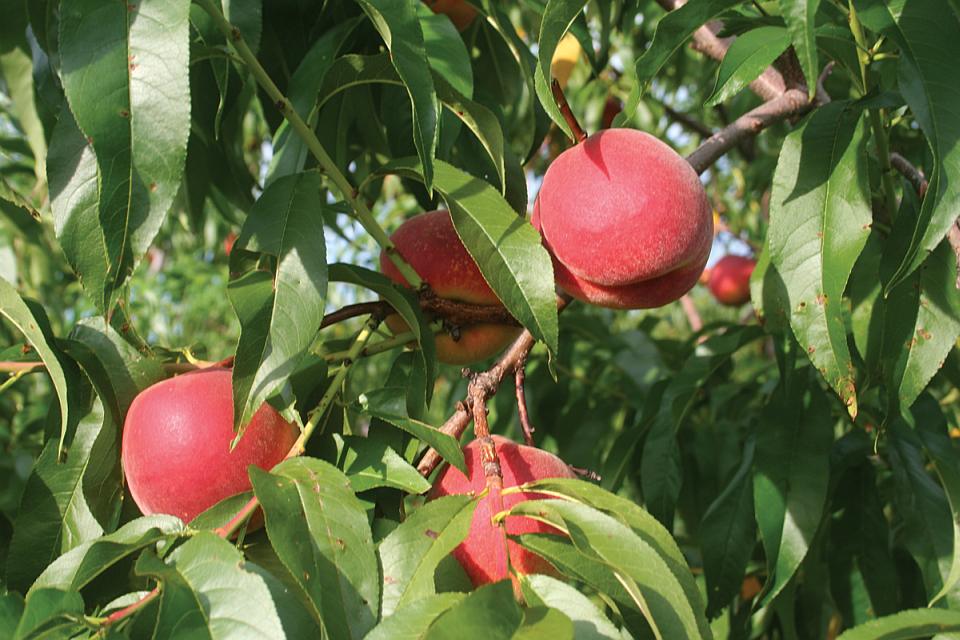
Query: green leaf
x=672, y=31
x=820, y=219
x=746, y=59
x=16, y=68
x=319, y=530
x=371, y=463
x=412, y=622
x=913, y=623
x=404, y=302
x=558, y=16
x=506, y=248
x=208, y=592
x=397, y=23
x=589, y=623
x=118, y=371
x=284, y=224
x=660, y=469
x=50, y=613
x=125, y=74
x=728, y=536
x=638, y=566
x=411, y=553
x=791, y=478
x=924, y=511
x=65, y=504
x=639, y=520
x=355, y=70
x=11, y=610
x=931, y=427
x=247, y=16
x=544, y=622
x=446, y=51
x=37, y=331
x=78, y=567
x=800, y=16
x=446, y=445
x=492, y=608
x=928, y=35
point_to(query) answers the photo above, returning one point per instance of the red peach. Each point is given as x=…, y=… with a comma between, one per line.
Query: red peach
x=730, y=280
x=176, y=444
x=483, y=553
x=430, y=244
x=625, y=219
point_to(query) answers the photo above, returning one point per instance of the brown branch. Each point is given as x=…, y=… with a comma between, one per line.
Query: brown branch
x=687, y=121
x=578, y=133
x=791, y=103
x=20, y=367
x=518, y=379
x=453, y=312
x=920, y=184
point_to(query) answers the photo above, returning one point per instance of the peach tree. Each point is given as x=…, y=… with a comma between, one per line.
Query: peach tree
x=186, y=185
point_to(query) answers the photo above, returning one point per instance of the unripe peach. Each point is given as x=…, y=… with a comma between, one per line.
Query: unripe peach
x=176, y=444
x=625, y=219
x=430, y=244
x=483, y=554
x=461, y=13
x=730, y=280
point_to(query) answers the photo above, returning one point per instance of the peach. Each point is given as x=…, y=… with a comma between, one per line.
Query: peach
x=461, y=13
x=431, y=245
x=730, y=280
x=176, y=444
x=625, y=219
x=483, y=554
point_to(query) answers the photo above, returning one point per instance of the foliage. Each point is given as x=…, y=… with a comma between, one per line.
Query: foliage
x=785, y=471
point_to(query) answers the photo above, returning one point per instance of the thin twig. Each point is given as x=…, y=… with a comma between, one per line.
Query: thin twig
x=518, y=378
x=578, y=133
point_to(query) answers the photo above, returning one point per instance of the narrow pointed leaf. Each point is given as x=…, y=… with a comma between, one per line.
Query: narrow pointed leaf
x=746, y=59
x=285, y=223
x=557, y=18
x=913, y=623
x=413, y=621
x=492, y=608
x=371, y=463
x=126, y=78
x=589, y=623
x=820, y=218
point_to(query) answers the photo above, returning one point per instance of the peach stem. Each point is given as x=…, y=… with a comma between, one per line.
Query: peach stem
x=578, y=132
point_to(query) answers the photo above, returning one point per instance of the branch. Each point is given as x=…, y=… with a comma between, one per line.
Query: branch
x=792, y=102
x=919, y=183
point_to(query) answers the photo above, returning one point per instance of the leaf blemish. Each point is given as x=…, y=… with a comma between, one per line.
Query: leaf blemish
x=430, y=533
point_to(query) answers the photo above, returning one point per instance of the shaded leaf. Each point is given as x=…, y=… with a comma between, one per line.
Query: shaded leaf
x=800, y=17
x=558, y=16
x=371, y=463
x=492, y=608
x=50, y=613
x=914, y=623
x=412, y=622
x=589, y=623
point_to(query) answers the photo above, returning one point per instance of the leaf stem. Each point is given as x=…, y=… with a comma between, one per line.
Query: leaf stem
x=876, y=117
x=329, y=167
x=129, y=610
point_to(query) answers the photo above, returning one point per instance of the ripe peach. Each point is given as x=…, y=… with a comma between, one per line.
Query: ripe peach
x=431, y=245
x=625, y=219
x=176, y=444
x=483, y=553
x=461, y=13
x=730, y=280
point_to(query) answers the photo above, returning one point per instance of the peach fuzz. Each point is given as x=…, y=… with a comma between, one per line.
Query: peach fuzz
x=176, y=444
x=430, y=244
x=730, y=280
x=625, y=219
x=483, y=554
